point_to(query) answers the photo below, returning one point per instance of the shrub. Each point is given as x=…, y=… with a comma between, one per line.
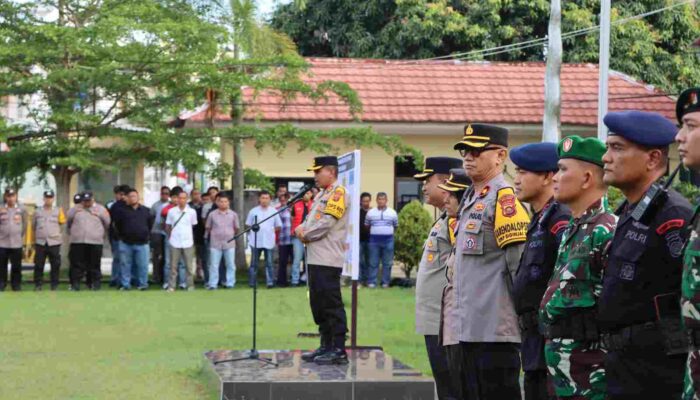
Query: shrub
x=413, y=229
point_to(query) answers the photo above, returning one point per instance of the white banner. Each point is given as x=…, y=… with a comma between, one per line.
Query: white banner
x=349, y=176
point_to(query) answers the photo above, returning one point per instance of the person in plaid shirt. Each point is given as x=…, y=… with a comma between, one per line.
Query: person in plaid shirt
x=284, y=241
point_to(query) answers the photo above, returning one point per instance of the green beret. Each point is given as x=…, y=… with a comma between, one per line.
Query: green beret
x=585, y=149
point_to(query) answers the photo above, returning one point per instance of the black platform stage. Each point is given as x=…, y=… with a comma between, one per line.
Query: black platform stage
x=370, y=374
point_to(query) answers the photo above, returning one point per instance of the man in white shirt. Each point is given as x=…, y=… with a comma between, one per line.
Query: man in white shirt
x=381, y=220
x=178, y=226
x=265, y=240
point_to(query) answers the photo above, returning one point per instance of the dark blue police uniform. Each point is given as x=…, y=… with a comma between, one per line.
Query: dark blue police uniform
x=536, y=264
x=644, y=261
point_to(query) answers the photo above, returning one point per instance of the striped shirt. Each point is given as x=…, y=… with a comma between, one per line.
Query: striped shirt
x=381, y=222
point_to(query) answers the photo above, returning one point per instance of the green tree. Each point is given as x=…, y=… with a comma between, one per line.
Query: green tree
x=410, y=235
x=99, y=80
x=656, y=49
x=258, y=51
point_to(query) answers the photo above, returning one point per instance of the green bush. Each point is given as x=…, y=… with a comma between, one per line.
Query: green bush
x=414, y=225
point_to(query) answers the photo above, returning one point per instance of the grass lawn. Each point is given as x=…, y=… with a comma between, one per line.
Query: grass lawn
x=149, y=345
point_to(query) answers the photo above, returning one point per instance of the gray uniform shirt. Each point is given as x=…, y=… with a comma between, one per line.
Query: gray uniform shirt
x=325, y=228
x=483, y=308
x=88, y=225
x=431, y=279
x=221, y=227
x=46, y=225
x=12, y=226
x=448, y=323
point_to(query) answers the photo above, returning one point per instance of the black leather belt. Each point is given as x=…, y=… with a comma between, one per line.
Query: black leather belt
x=581, y=326
x=622, y=338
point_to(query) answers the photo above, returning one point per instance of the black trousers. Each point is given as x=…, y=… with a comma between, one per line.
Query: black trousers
x=14, y=257
x=643, y=370
x=158, y=256
x=327, y=304
x=285, y=254
x=535, y=385
x=437, y=355
x=85, y=259
x=41, y=252
x=486, y=371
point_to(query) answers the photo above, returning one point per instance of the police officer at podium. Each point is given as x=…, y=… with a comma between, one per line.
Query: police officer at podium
x=324, y=232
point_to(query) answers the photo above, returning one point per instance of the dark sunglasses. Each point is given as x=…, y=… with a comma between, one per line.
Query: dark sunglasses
x=475, y=153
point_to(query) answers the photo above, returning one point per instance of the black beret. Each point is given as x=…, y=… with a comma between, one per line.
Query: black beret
x=688, y=102
x=438, y=165
x=645, y=128
x=10, y=192
x=49, y=193
x=481, y=135
x=87, y=196
x=77, y=198
x=536, y=157
x=323, y=161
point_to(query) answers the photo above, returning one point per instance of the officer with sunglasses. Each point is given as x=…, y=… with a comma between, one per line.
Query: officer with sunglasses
x=491, y=229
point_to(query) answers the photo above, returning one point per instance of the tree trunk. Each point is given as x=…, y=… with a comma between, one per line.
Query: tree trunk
x=552, y=84
x=63, y=176
x=238, y=189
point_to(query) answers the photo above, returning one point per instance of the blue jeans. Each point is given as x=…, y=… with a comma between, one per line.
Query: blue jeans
x=134, y=256
x=181, y=278
x=215, y=256
x=298, y=247
x=253, y=270
x=364, y=262
x=116, y=263
x=381, y=250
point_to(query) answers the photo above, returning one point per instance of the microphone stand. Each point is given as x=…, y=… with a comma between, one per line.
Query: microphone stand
x=253, y=354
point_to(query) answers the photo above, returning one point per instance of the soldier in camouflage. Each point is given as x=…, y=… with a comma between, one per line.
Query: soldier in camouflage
x=688, y=138
x=567, y=311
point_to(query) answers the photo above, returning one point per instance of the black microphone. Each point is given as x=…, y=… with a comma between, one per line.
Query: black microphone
x=300, y=194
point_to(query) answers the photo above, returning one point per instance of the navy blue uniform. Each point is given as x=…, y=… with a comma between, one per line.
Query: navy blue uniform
x=536, y=264
x=644, y=260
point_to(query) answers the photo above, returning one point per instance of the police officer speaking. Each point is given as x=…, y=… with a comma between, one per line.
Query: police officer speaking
x=324, y=233
x=535, y=166
x=431, y=277
x=688, y=138
x=643, y=266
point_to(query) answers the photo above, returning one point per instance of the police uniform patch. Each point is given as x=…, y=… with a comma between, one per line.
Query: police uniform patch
x=627, y=271
x=470, y=243
x=556, y=228
x=451, y=226
x=507, y=203
x=336, y=204
x=471, y=225
x=431, y=257
x=479, y=207
x=430, y=244
x=318, y=216
x=668, y=225
x=512, y=221
x=674, y=242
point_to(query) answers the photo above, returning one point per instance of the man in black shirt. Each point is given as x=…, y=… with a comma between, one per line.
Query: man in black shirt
x=112, y=206
x=197, y=203
x=133, y=224
x=365, y=201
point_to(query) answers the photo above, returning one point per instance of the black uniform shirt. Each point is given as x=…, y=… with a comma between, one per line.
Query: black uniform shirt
x=537, y=261
x=643, y=261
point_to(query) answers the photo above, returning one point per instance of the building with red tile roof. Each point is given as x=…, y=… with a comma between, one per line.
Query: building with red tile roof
x=427, y=104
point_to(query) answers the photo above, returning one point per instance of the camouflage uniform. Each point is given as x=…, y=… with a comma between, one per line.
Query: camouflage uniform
x=576, y=365
x=690, y=306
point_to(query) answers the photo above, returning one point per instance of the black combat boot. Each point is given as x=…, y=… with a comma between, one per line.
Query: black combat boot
x=334, y=356
x=325, y=346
